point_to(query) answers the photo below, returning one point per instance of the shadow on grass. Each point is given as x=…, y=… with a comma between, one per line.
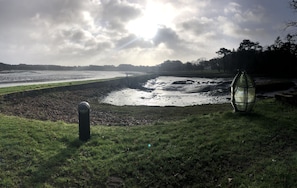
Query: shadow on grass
x=51, y=166
x=282, y=134
x=269, y=143
x=273, y=131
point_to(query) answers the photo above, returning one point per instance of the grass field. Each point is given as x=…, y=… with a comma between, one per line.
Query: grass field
x=214, y=149
x=14, y=89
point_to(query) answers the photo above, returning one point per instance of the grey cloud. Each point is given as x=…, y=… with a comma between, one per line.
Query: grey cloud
x=232, y=7
x=24, y=19
x=167, y=36
x=114, y=13
x=15, y=12
x=132, y=41
x=198, y=26
x=243, y=20
x=225, y=20
x=164, y=35
x=55, y=31
x=78, y=41
x=18, y=12
x=75, y=35
x=180, y=47
x=94, y=48
x=60, y=11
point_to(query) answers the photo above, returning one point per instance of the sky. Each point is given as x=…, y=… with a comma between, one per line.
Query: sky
x=137, y=32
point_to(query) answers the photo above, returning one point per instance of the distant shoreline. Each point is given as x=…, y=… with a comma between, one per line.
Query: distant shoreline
x=60, y=104
x=9, y=78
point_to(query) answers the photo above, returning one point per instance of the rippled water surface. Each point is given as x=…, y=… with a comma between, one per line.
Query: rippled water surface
x=174, y=91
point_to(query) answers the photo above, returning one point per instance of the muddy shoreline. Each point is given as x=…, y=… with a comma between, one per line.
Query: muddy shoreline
x=60, y=104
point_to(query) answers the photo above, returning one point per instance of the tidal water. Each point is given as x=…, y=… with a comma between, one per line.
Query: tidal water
x=174, y=91
x=17, y=78
x=161, y=91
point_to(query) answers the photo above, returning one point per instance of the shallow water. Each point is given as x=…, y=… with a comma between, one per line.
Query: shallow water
x=173, y=91
x=17, y=78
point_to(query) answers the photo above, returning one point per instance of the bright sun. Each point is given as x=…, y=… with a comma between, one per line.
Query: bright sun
x=143, y=27
x=154, y=15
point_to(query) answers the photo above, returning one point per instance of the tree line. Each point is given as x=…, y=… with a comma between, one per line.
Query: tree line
x=121, y=67
x=278, y=59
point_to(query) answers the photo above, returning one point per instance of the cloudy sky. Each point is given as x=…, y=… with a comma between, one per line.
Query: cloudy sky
x=138, y=32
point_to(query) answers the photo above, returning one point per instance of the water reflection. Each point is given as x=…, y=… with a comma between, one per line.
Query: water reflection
x=174, y=91
x=24, y=77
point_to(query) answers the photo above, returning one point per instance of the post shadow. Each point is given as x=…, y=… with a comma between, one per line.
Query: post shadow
x=49, y=167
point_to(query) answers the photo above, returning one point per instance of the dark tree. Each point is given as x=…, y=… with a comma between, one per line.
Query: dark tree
x=223, y=51
x=225, y=60
x=169, y=65
x=278, y=43
x=249, y=45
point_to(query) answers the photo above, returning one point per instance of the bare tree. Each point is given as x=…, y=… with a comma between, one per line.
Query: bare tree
x=293, y=5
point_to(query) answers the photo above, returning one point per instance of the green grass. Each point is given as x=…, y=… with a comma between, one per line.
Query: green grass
x=14, y=89
x=215, y=149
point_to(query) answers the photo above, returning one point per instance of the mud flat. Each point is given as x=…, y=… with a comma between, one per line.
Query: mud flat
x=174, y=91
x=60, y=104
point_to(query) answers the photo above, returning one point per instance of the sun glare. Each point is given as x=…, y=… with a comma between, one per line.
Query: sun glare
x=154, y=15
x=143, y=28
